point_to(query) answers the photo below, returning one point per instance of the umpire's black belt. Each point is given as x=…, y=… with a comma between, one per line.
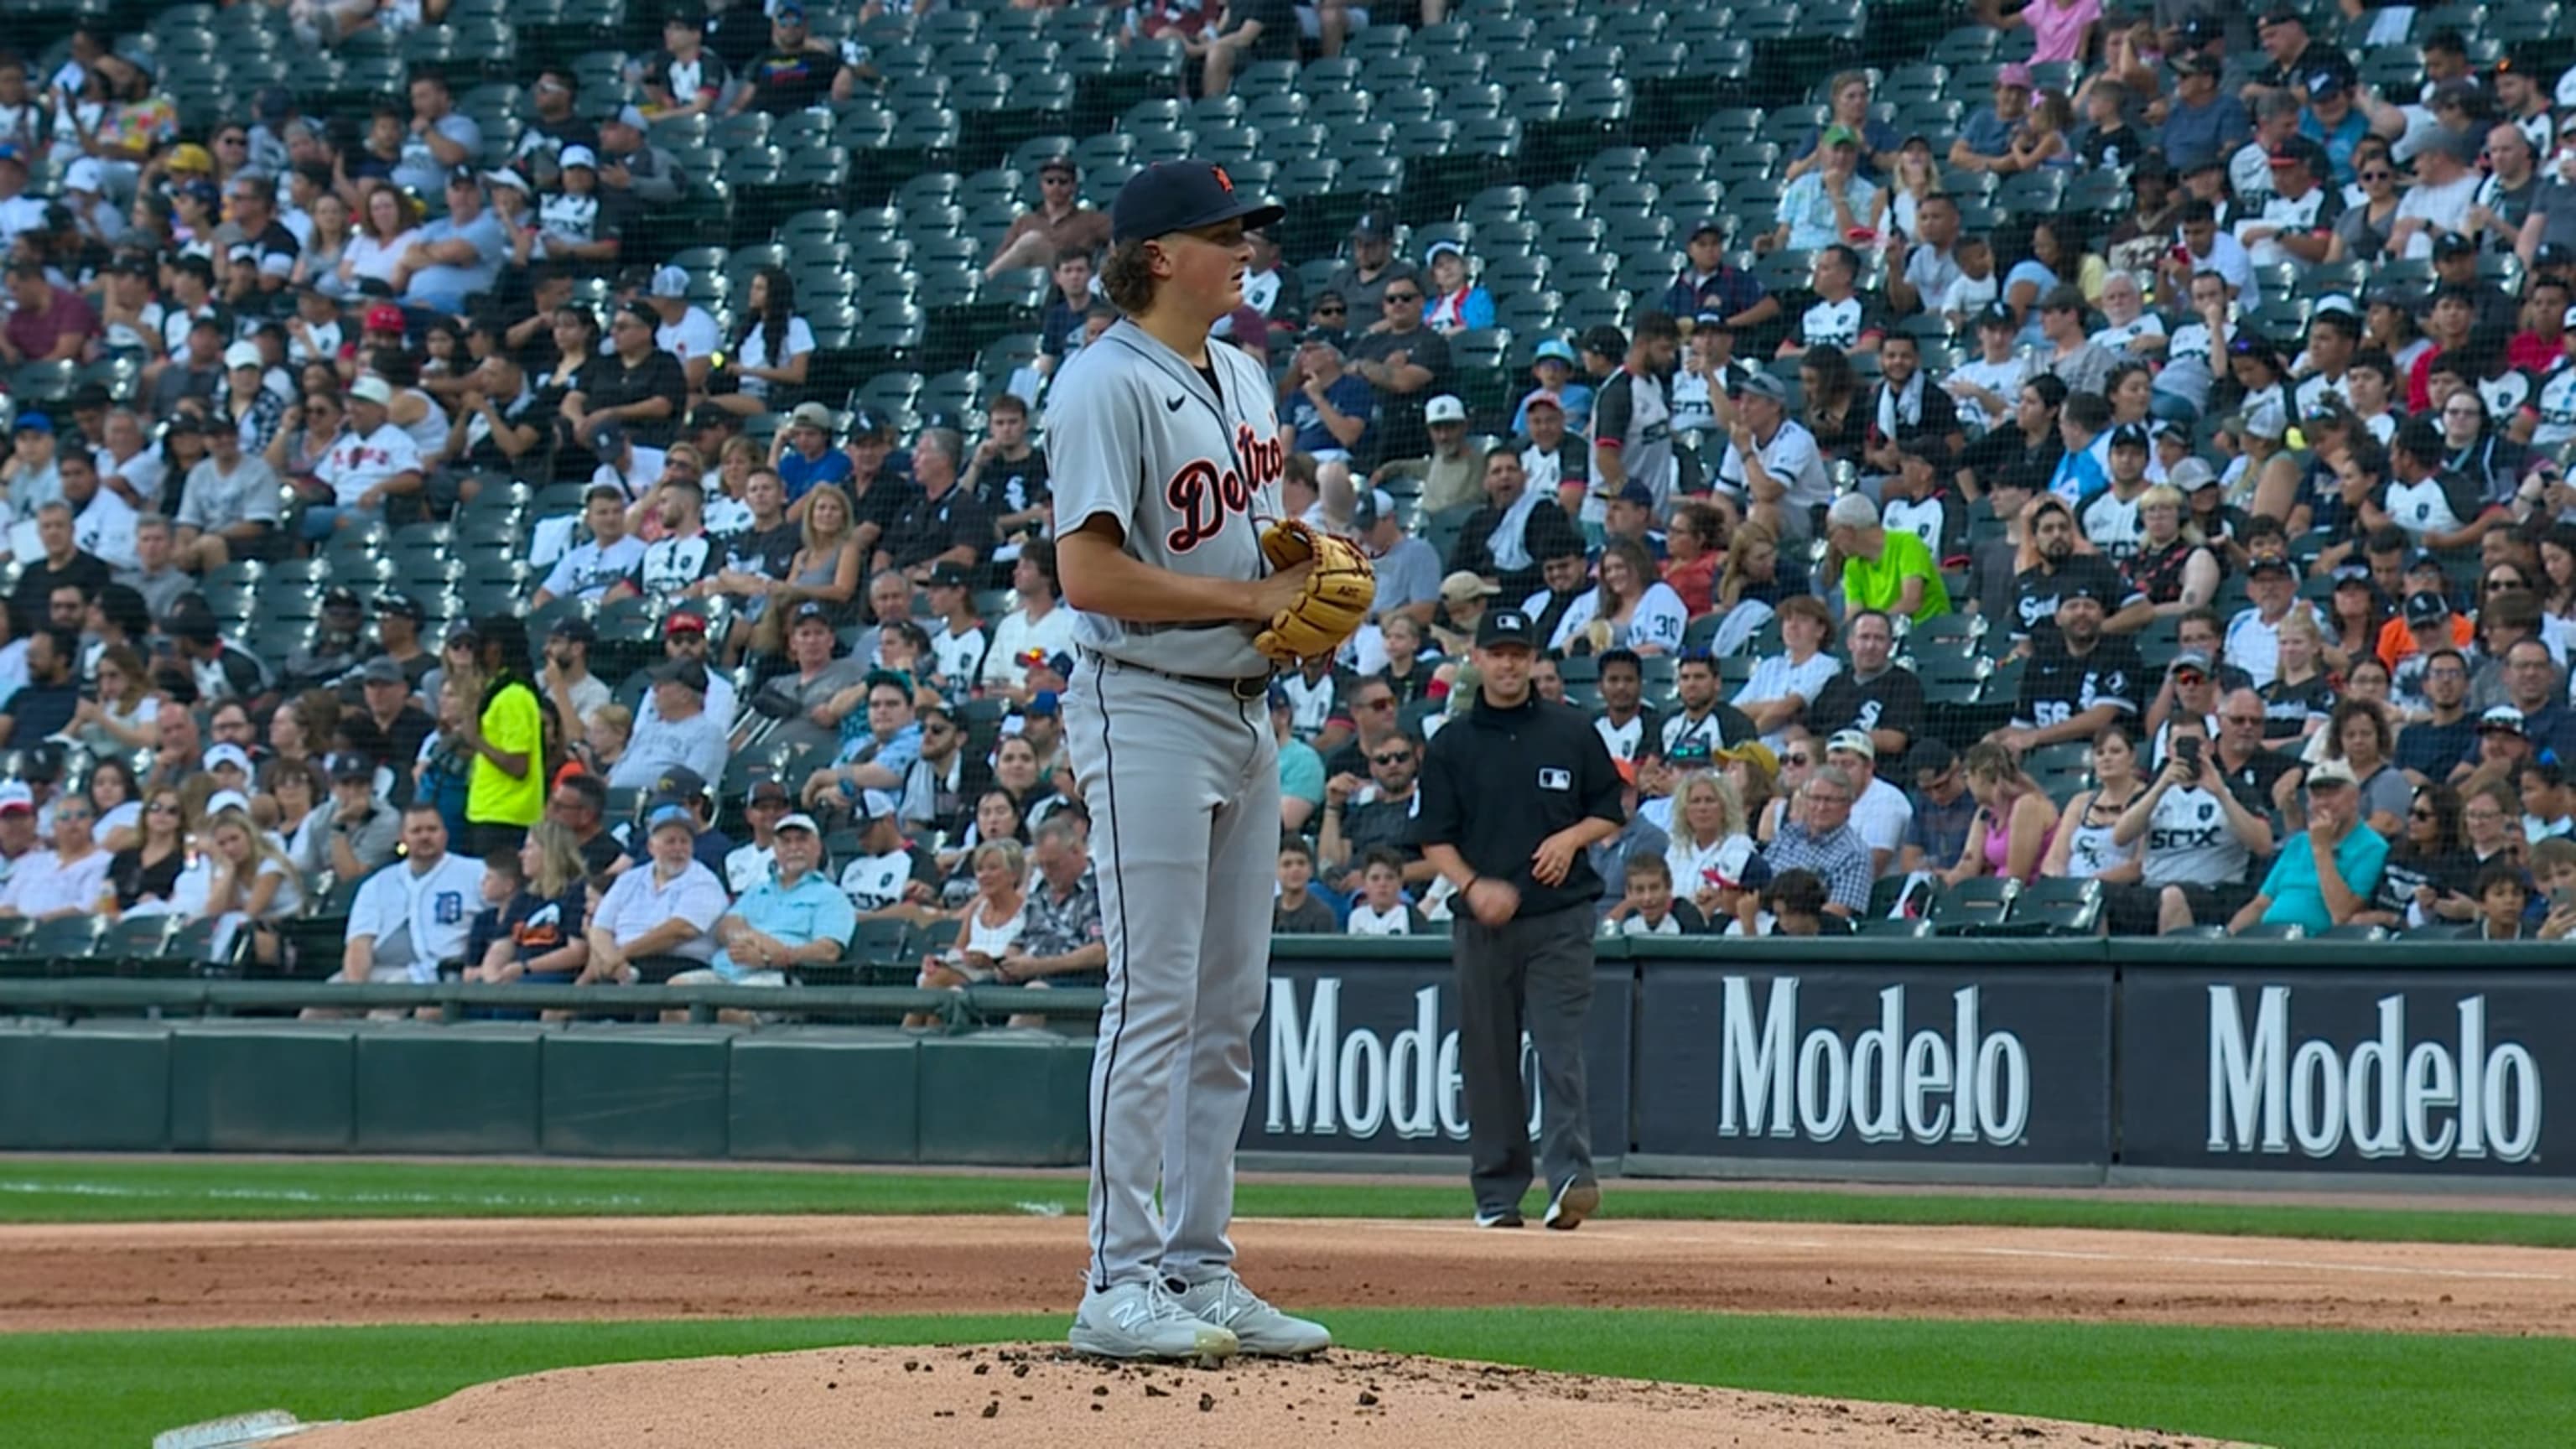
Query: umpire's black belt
x=1245, y=687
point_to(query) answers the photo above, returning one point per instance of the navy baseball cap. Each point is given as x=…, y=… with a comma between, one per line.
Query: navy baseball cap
x=1171, y=196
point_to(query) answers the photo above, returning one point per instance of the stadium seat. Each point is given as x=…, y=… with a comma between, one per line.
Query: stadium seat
x=1974, y=907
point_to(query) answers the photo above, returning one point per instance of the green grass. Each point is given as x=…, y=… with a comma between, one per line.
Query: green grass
x=2295, y=1389
x=164, y=1189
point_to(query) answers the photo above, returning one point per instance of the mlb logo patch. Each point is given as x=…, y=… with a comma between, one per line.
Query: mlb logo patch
x=1555, y=779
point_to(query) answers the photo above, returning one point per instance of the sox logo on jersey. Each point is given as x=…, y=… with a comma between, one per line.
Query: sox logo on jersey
x=1204, y=495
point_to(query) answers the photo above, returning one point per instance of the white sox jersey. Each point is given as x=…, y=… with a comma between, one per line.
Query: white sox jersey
x=1189, y=466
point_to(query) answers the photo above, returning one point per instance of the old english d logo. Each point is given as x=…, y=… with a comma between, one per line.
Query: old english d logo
x=1221, y=178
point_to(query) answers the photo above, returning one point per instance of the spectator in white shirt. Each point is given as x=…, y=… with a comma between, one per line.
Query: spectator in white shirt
x=367, y=465
x=413, y=916
x=1880, y=811
x=687, y=332
x=666, y=906
x=1040, y=623
x=68, y=880
x=1782, y=684
x=681, y=731
x=588, y=570
x=2446, y=186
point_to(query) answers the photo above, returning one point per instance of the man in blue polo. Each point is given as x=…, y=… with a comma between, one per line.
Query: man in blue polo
x=795, y=917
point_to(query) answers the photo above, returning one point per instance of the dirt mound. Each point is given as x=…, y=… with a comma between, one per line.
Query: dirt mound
x=1039, y=1397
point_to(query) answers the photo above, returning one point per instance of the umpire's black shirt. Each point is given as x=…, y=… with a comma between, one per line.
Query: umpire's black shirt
x=1498, y=781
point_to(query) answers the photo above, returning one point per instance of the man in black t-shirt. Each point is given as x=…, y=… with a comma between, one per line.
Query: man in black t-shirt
x=942, y=521
x=1008, y=476
x=1873, y=694
x=622, y=385
x=2061, y=571
x=795, y=73
x=2079, y=679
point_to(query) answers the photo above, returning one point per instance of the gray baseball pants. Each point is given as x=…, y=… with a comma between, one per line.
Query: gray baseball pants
x=1182, y=781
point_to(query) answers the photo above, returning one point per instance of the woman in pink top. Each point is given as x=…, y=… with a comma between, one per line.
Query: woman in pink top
x=2060, y=29
x=2015, y=819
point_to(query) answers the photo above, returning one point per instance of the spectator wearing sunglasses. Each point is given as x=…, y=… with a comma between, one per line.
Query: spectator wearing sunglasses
x=1407, y=364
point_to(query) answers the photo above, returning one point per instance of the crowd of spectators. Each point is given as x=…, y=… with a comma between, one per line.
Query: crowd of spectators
x=2221, y=553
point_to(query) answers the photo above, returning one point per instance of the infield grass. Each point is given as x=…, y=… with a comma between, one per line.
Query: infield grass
x=2300, y=1390
x=42, y=1190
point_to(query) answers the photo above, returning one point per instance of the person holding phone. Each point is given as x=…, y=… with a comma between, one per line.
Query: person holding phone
x=2201, y=840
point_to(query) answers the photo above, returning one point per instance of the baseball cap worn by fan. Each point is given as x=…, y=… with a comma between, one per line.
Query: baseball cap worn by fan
x=684, y=621
x=1764, y=385
x=669, y=282
x=679, y=783
x=244, y=354
x=1459, y=587
x=2426, y=609
x=2327, y=773
x=872, y=806
x=2503, y=719
x=1171, y=196
x=1444, y=409
x=689, y=674
x=1857, y=742
x=1371, y=507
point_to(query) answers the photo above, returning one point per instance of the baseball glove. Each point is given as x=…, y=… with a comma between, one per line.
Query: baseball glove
x=1338, y=593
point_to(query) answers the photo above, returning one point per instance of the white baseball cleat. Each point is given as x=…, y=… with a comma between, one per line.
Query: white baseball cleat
x=1144, y=1320
x=1260, y=1328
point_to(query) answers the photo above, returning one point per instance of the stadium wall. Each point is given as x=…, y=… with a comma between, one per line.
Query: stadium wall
x=2037, y=1061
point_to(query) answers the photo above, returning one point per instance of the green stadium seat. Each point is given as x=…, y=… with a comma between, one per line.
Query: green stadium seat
x=1974, y=906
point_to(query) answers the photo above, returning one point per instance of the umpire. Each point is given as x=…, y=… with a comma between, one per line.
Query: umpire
x=1512, y=797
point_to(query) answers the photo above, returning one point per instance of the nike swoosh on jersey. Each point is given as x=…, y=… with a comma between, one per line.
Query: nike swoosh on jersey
x=1175, y=404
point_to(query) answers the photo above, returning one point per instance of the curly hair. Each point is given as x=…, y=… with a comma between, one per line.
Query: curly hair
x=1127, y=277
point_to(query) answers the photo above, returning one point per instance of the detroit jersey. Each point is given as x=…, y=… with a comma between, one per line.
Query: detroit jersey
x=1191, y=474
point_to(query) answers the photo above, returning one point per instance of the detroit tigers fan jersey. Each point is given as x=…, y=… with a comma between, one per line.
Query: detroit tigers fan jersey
x=1128, y=411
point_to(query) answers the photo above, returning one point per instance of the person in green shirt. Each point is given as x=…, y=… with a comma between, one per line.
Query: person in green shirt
x=1884, y=569
x=505, y=790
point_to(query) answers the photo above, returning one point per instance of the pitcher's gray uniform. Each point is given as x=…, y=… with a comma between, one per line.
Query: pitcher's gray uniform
x=1169, y=732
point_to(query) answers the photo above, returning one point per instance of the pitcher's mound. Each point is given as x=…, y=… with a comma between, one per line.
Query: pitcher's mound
x=1042, y=1397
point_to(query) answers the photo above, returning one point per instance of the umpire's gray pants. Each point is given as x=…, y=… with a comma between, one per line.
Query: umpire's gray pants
x=1533, y=973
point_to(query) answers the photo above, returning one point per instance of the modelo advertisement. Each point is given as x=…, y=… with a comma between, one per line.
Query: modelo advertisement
x=2398, y=1073
x=1362, y=1057
x=1857, y=1064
